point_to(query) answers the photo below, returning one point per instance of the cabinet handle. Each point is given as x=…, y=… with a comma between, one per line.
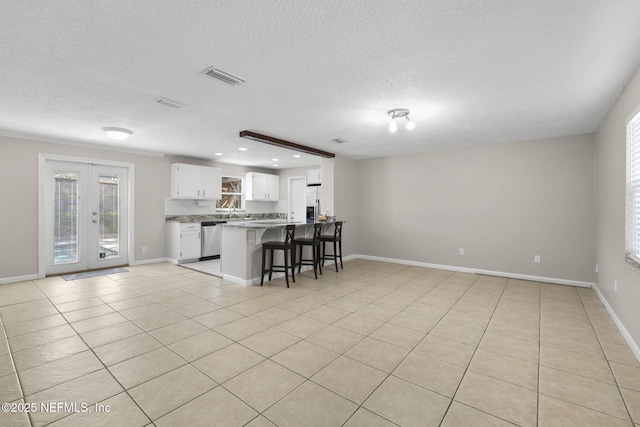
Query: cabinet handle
x=204, y=193
x=198, y=193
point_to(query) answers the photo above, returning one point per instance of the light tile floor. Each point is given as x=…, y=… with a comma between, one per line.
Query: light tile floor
x=211, y=266
x=375, y=344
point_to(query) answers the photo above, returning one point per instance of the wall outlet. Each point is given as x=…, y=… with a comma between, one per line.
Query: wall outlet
x=596, y=268
x=461, y=251
x=536, y=259
x=615, y=286
x=144, y=249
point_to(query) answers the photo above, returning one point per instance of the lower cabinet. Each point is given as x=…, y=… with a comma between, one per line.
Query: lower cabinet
x=184, y=241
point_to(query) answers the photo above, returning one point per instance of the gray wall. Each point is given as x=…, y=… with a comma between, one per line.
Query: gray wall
x=19, y=193
x=502, y=203
x=610, y=212
x=345, y=176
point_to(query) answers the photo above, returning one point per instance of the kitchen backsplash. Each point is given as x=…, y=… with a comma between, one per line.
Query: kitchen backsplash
x=208, y=207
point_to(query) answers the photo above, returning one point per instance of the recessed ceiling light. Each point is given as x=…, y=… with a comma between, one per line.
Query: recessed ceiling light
x=297, y=156
x=276, y=165
x=274, y=160
x=243, y=149
x=217, y=154
x=119, y=134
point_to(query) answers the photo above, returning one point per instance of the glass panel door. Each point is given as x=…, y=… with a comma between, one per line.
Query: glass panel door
x=65, y=223
x=109, y=216
x=86, y=216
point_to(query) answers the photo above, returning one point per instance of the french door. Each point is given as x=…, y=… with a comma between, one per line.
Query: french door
x=85, y=216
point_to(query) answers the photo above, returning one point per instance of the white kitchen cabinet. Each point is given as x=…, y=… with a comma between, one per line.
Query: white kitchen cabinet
x=262, y=186
x=211, y=183
x=184, y=241
x=195, y=182
x=314, y=176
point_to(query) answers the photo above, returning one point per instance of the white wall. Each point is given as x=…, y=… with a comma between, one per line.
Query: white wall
x=502, y=203
x=610, y=213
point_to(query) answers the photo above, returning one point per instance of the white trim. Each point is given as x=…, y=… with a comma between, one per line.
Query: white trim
x=627, y=336
x=83, y=144
x=153, y=261
x=131, y=168
x=478, y=271
x=240, y=281
x=4, y=280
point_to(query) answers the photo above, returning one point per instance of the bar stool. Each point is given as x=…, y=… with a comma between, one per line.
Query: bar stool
x=336, y=239
x=289, y=251
x=314, y=242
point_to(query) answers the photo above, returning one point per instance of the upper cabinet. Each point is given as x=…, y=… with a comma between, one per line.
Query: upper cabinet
x=314, y=176
x=262, y=186
x=195, y=182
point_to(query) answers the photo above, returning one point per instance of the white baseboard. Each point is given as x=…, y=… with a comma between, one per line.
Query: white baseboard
x=14, y=279
x=627, y=336
x=256, y=280
x=477, y=271
x=154, y=261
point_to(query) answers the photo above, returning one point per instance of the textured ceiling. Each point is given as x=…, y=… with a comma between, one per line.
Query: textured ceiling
x=471, y=72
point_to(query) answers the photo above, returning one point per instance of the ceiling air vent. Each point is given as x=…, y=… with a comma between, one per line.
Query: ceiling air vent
x=339, y=140
x=224, y=76
x=169, y=103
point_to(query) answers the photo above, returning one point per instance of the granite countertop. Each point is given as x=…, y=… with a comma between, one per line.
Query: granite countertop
x=220, y=217
x=266, y=223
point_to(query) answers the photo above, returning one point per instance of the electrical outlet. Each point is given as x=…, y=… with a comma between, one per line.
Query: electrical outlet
x=615, y=286
x=536, y=259
x=596, y=268
x=144, y=249
x=461, y=251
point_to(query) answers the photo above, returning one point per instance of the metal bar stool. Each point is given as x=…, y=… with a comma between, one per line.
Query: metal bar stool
x=336, y=239
x=289, y=251
x=314, y=242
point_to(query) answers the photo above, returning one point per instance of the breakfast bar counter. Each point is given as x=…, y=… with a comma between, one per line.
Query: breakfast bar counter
x=241, y=259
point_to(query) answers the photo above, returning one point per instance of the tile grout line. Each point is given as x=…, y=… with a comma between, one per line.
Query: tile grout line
x=474, y=353
x=15, y=368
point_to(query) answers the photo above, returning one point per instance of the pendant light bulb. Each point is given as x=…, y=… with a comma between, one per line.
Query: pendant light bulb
x=393, y=126
x=410, y=125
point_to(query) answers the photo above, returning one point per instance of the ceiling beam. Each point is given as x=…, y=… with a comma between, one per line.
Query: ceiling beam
x=284, y=144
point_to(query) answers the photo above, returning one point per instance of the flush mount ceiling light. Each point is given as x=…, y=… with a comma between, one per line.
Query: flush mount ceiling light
x=119, y=134
x=399, y=113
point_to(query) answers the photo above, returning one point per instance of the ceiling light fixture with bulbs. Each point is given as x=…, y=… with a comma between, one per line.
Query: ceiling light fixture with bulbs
x=399, y=113
x=119, y=134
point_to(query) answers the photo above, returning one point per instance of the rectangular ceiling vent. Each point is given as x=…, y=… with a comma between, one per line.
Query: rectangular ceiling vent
x=169, y=103
x=224, y=76
x=339, y=140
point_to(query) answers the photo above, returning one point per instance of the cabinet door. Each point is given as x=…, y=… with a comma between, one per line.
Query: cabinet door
x=211, y=183
x=273, y=188
x=187, y=181
x=314, y=176
x=259, y=190
x=190, y=244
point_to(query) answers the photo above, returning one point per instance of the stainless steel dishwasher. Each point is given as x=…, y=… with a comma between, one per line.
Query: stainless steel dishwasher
x=211, y=235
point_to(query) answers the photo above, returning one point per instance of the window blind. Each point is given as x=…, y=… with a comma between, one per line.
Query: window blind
x=633, y=192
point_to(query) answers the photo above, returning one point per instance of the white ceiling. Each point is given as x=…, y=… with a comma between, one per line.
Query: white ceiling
x=471, y=72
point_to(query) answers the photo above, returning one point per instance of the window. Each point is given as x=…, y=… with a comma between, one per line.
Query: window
x=231, y=193
x=633, y=192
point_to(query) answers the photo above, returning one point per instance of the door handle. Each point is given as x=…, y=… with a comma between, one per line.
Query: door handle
x=94, y=221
